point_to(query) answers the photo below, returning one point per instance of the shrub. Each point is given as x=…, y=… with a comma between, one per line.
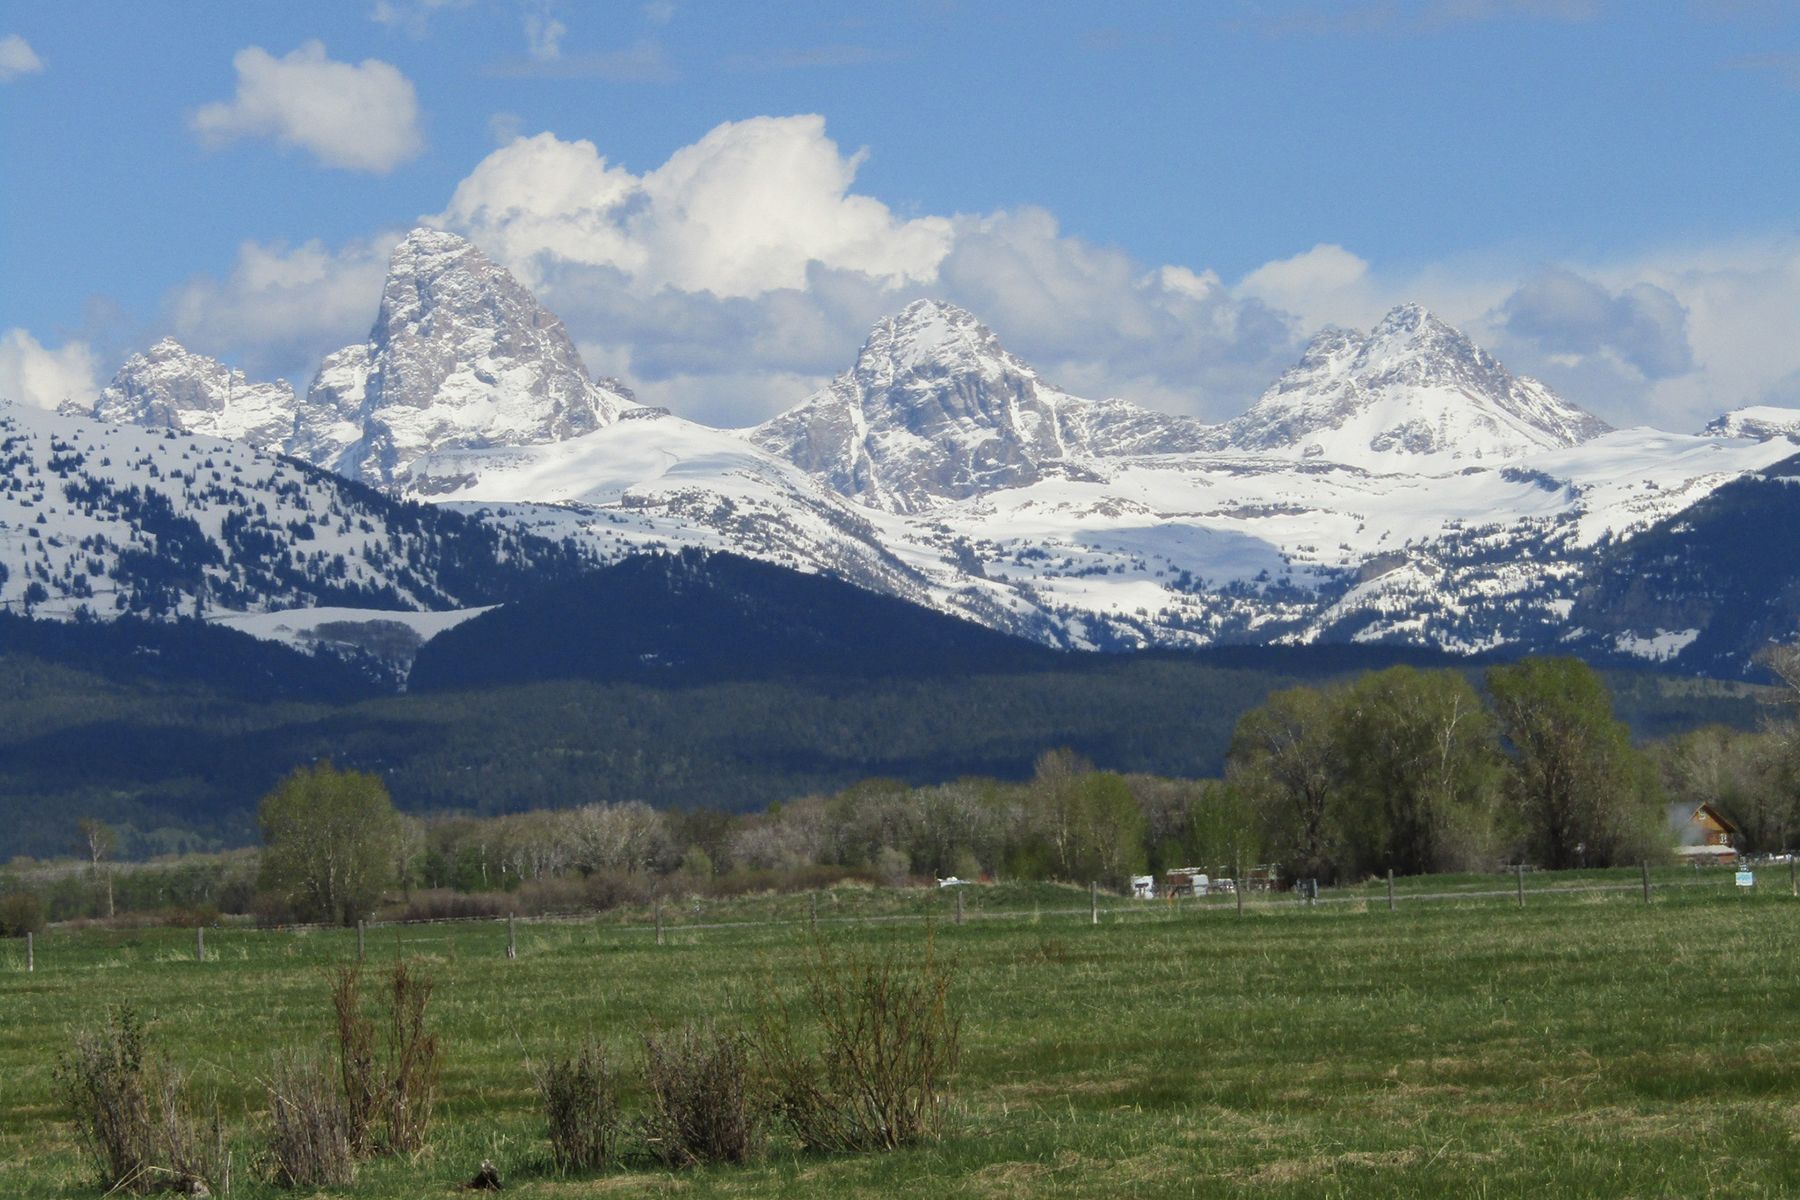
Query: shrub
x=442, y=904
x=889, y=1044
x=131, y=1111
x=311, y=1143
x=604, y=891
x=398, y=1086
x=581, y=1106
x=360, y=1086
x=21, y=913
x=412, y=1067
x=703, y=1105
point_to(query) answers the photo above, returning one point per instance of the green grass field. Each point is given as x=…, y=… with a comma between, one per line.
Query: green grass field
x=1586, y=1045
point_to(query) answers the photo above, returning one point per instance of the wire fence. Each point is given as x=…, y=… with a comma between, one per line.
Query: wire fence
x=948, y=906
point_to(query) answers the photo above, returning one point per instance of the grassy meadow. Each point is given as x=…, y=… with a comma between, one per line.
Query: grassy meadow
x=1587, y=1045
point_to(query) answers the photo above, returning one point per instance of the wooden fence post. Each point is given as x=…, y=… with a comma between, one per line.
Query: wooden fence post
x=512, y=942
x=959, y=918
x=813, y=898
x=659, y=932
x=1390, y=889
x=199, y=943
x=1094, y=902
x=1238, y=890
x=1521, y=885
x=360, y=926
x=1646, y=866
x=1793, y=879
x=30, y=952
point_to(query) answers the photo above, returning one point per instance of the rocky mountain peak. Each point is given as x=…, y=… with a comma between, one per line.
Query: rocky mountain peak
x=935, y=409
x=461, y=356
x=171, y=387
x=1415, y=389
x=933, y=335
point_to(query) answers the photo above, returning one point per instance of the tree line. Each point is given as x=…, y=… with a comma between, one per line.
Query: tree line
x=1405, y=769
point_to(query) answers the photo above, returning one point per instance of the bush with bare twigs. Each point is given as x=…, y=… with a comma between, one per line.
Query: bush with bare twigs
x=357, y=1076
x=581, y=1106
x=394, y=1085
x=413, y=1066
x=133, y=1112
x=704, y=1106
x=310, y=1138
x=889, y=1041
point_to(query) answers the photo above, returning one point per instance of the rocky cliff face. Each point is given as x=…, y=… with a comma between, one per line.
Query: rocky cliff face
x=461, y=356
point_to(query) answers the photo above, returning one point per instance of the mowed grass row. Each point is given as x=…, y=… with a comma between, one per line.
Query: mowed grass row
x=1586, y=1045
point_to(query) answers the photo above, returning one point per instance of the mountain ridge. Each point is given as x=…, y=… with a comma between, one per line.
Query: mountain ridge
x=1394, y=486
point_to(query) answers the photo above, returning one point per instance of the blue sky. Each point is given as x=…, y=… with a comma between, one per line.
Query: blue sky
x=1159, y=202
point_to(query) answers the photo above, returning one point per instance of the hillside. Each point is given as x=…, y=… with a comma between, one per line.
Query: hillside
x=1707, y=588
x=149, y=744
x=697, y=618
x=99, y=521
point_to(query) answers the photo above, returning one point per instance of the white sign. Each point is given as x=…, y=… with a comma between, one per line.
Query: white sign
x=1746, y=879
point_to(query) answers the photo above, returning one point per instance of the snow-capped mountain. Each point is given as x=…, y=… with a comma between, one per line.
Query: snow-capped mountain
x=1759, y=421
x=1400, y=486
x=1414, y=394
x=936, y=409
x=171, y=387
x=461, y=356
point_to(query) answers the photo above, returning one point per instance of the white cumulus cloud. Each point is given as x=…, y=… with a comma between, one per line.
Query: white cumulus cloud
x=361, y=117
x=741, y=212
x=17, y=58
x=31, y=373
x=282, y=308
x=746, y=266
x=1325, y=285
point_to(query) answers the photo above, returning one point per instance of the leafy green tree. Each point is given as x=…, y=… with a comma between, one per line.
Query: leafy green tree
x=1056, y=807
x=1582, y=794
x=1221, y=829
x=330, y=841
x=1421, y=771
x=1109, y=826
x=1285, y=758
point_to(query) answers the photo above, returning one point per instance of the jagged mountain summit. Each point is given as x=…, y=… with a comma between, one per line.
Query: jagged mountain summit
x=171, y=387
x=935, y=409
x=1414, y=394
x=1395, y=487
x=461, y=356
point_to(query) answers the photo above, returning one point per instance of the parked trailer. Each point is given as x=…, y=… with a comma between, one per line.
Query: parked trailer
x=1185, y=881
